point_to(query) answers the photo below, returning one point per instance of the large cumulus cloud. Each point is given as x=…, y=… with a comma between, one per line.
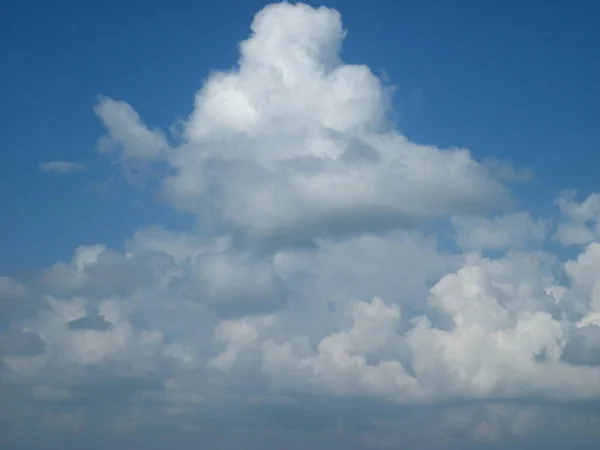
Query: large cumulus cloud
x=294, y=144
x=311, y=300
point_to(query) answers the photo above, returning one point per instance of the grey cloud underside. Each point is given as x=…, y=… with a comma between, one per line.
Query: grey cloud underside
x=23, y=343
x=311, y=309
x=167, y=348
x=90, y=322
x=584, y=347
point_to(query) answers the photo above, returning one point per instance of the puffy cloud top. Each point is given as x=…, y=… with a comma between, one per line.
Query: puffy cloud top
x=294, y=144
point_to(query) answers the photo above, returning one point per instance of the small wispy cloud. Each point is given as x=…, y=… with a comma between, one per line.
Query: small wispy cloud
x=507, y=172
x=61, y=167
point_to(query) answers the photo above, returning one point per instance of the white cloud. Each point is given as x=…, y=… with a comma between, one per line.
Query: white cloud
x=340, y=365
x=583, y=273
x=127, y=134
x=581, y=220
x=505, y=338
x=295, y=144
x=500, y=232
x=61, y=167
x=367, y=326
x=502, y=328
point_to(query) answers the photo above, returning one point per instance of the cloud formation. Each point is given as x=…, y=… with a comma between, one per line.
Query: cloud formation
x=506, y=231
x=294, y=144
x=312, y=290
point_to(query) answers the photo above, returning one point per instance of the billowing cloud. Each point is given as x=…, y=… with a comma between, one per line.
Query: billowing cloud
x=311, y=308
x=294, y=144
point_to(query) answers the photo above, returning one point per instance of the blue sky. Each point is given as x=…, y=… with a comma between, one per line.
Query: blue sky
x=513, y=81
x=507, y=80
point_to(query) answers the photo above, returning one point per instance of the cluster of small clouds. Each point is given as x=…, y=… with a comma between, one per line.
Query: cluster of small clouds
x=316, y=281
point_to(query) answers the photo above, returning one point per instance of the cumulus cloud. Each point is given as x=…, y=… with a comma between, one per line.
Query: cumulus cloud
x=61, y=167
x=581, y=220
x=294, y=144
x=310, y=304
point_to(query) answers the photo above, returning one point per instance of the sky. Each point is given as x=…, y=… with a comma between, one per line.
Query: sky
x=329, y=226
